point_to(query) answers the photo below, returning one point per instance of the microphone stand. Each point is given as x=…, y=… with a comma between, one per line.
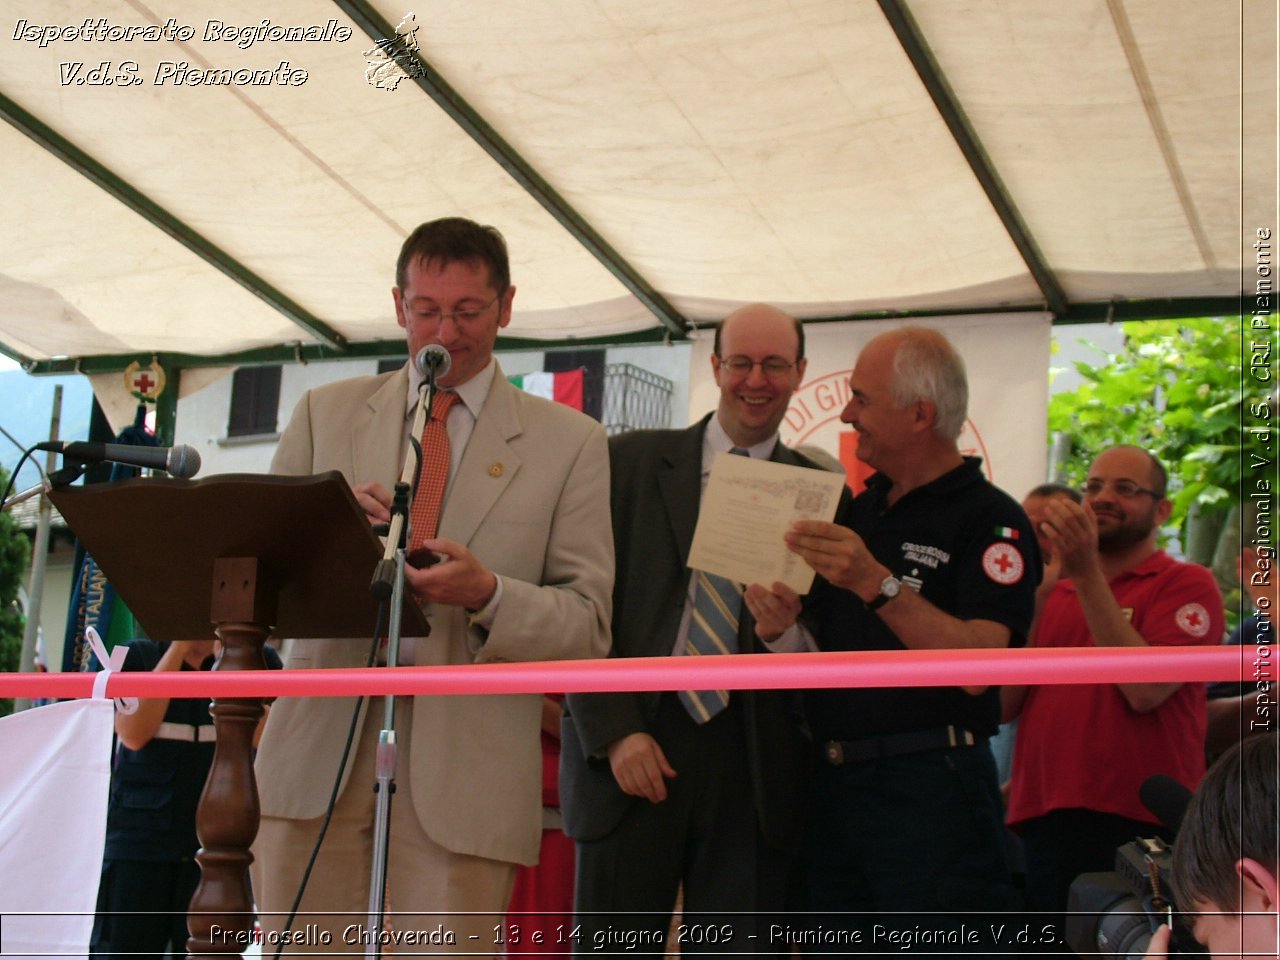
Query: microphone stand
x=388, y=582
x=69, y=474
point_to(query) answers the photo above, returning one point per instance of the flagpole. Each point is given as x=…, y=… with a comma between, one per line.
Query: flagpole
x=39, y=560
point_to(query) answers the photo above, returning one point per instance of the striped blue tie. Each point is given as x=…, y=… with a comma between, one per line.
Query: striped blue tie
x=713, y=629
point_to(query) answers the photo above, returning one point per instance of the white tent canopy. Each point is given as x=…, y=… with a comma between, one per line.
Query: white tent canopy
x=651, y=164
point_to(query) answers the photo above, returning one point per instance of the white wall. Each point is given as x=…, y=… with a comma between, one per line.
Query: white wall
x=665, y=360
x=202, y=416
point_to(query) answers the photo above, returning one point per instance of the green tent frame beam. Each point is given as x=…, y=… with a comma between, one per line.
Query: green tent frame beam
x=147, y=208
x=466, y=117
x=1110, y=312
x=917, y=50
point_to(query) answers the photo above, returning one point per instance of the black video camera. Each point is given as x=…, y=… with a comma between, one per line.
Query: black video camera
x=1115, y=914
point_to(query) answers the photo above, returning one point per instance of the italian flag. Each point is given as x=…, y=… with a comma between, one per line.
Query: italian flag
x=564, y=387
x=1009, y=533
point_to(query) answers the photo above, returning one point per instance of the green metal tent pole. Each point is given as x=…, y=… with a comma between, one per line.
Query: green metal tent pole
x=167, y=404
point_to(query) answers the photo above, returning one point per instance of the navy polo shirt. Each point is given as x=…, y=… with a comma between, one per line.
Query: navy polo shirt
x=966, y=547
x=151, y=814
x=1252, y=631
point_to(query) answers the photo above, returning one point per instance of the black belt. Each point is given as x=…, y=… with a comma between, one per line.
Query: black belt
x=839, y=752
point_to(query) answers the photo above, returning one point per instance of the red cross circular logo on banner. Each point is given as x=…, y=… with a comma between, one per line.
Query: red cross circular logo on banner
x=1002, y=563
x=145, y=384
x=813, y=417
x=1193, y=618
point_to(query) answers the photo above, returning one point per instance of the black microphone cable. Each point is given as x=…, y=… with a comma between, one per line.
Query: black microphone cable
x=383, y=612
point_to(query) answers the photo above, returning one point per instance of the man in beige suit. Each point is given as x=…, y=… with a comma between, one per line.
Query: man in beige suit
x=525, y=573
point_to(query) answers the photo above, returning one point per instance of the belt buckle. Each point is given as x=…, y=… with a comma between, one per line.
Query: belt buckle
x=960, y=736
x=834, y=753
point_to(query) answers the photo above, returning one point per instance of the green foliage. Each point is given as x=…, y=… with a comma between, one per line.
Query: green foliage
x=14, y=550
x=1176, y=389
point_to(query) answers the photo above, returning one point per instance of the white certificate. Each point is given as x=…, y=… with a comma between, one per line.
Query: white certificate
x=746, y=509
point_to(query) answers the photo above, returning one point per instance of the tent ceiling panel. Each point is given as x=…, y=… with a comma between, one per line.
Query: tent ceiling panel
x=737, y=146
x=720, y=152
x=94, y=278
x=314, y=185
x=1115, y=138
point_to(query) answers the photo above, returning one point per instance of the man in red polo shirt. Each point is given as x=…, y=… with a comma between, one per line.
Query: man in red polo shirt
x=1084, y=750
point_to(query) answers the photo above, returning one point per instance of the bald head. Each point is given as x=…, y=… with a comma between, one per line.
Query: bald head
x=757, y=364
x=760, y=311
x=1156, y=477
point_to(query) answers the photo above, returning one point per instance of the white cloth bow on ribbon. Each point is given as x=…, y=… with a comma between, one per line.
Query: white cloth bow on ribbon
x=111, y=663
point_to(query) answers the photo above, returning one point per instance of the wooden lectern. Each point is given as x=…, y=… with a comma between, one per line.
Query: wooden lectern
x=233, y=556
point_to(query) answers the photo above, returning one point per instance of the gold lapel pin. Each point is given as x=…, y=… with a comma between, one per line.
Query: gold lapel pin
x=495, y=469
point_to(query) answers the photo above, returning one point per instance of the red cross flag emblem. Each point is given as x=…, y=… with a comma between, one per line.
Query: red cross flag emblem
x=144, y=383
x=1002, y=563
x=1193, y=618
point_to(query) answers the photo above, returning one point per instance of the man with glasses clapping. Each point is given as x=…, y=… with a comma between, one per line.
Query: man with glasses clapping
x=1083, y=750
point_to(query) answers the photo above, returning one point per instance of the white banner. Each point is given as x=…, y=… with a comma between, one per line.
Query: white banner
x=53, y=825
x=1007, y=359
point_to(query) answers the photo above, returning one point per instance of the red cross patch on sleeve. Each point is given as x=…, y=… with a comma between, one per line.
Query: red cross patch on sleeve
x=1193, y=618
x=1002, y=563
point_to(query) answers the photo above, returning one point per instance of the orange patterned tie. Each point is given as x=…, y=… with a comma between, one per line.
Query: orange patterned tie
x=424, y=516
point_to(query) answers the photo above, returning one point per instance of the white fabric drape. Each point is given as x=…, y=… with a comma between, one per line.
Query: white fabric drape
x=53, y=822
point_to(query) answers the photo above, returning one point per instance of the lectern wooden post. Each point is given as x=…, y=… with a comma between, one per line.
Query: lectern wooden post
x=233, y=555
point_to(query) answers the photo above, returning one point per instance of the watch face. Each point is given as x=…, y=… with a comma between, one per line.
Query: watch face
x=890, y=586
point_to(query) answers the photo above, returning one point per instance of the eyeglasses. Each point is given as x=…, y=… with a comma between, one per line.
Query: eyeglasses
x=465, y=315
x=1123, y=488
x=772, y=367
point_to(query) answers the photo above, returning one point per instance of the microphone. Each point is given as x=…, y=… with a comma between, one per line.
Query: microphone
x=1166, y=798
x=181, y=461
x=433, y=361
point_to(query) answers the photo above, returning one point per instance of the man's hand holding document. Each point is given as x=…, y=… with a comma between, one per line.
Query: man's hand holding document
x=746, y=509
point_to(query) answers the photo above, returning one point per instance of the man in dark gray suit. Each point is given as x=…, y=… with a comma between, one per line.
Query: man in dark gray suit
x=659, y=793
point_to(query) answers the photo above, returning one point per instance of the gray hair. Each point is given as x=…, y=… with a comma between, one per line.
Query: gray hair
x=927, y=367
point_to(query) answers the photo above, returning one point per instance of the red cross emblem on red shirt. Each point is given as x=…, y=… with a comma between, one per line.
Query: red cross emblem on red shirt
x=1193, y=618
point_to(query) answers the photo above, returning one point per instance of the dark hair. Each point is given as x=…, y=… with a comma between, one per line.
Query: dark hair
x=799, y=328
x=1161, y=474
x=1046, y=490
x=1161, y=484
x=453, y=239
x=1231, y=817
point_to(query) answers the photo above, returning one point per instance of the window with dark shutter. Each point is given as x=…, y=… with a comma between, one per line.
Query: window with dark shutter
x=255, y=399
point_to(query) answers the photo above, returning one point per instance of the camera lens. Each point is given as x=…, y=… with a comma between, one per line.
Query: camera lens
x=1126, y=932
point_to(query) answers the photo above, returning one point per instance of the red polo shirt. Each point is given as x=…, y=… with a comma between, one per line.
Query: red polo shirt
x=1082, y=745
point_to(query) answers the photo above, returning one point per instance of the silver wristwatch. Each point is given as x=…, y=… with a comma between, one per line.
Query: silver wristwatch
x=890, y=587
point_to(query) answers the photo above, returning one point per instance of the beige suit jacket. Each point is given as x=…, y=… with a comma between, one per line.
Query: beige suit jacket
x=531, y=501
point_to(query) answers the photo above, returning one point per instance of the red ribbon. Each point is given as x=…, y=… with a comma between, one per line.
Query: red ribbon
x=876, y=668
